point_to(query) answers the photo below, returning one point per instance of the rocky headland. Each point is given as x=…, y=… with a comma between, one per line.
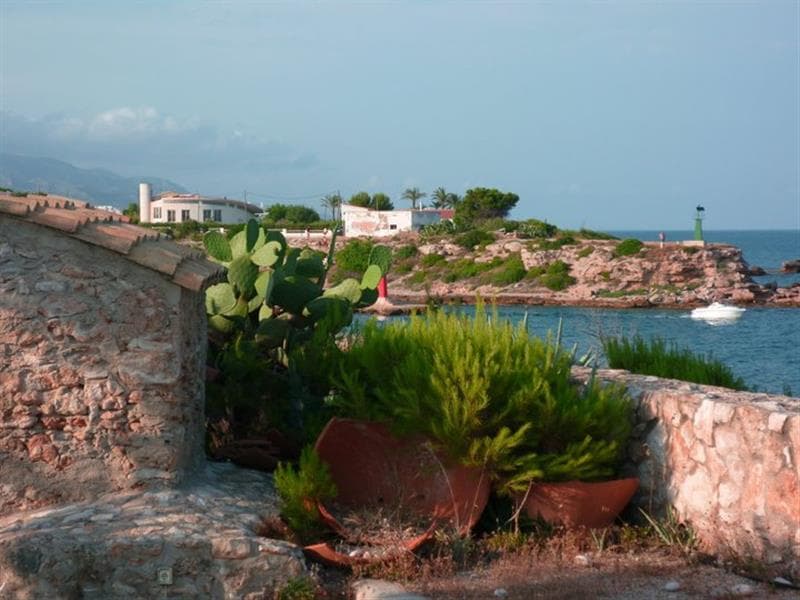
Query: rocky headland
x=586, y=273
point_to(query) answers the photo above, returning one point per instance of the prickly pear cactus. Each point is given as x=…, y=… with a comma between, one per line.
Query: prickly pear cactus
x=274, y=292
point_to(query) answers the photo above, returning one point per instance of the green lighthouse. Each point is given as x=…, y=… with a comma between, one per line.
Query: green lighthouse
x=698, y=223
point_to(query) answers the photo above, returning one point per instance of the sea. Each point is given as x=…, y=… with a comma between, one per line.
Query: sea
x=762, y=346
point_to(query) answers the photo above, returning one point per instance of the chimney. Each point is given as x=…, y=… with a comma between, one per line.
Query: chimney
x=144, y=202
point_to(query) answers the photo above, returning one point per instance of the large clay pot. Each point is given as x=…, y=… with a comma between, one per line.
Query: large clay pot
x=372, y=467
x=580, y=504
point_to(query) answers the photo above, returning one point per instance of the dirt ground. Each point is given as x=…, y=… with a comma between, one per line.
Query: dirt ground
x=651, y=573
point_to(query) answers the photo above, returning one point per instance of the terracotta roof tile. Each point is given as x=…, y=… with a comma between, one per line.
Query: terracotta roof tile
x=186, y=266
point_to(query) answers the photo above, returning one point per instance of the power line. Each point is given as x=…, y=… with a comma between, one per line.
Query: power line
x=285, y=197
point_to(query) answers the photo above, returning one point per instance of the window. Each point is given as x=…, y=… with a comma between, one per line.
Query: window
x=157, y=212
x=206, y=214
x=218, y=215
x=393, y=226
x=170, y=216
x=185, y=216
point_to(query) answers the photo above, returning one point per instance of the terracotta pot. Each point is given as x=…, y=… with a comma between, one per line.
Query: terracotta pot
x=580, y=504
x=372, y=467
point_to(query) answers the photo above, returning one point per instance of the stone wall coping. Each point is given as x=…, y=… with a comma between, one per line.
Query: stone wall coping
x=188, y=268
x=645, y=384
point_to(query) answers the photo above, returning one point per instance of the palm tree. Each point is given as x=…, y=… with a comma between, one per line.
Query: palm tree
x=412, y=195
x=452, y=200
x=334, y=203
x=440, y=198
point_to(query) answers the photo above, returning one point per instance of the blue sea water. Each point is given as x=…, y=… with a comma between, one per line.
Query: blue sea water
x=762, y=347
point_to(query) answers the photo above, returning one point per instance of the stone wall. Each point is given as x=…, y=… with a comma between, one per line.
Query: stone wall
x=728, y=462
x=101, y=371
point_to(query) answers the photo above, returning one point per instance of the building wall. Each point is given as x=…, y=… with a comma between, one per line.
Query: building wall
x=228, y=213
x=101, y=371
x=728, y=462
x=382, y=223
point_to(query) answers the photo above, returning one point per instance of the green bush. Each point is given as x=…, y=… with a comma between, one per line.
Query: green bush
x=657, y=357
x=354, y=256
x=436, y=230
x=628, y=247
x=555, y=276
x=299, y=491
x=533, y=228
x=511, y=271
x=690, y=250
x=556, y=244
x=585, y=251
x=403, y=267
x=418, y=277
x=474, y=237
x=431, y=260
x=588, y=234
x=407, y=251
x=487, y=395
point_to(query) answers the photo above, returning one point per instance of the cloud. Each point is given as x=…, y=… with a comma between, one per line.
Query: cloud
x=141, y=139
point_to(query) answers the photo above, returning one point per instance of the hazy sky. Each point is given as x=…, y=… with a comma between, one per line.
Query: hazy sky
x=605, y=115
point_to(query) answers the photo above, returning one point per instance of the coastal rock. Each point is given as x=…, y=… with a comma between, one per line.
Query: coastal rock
x=791, y=266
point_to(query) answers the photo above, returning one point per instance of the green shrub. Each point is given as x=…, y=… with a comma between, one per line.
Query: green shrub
x=605, y=275
x=512, y=271
x=299, y=491
x=588, y=234
x=354, y=256
x=487, y=395
x=431, y=260
x=435, y=230
x=418, y=277
x=556, y=244
x=556, y=277
x=627, y=247
x=5, y=189
x=656, y=357
x=474, y=237
x=585, y=251
x=19, y=194
x=298, y=588
x=403, y=267
x=533, y=228
x=407, y=251
x=690, y=250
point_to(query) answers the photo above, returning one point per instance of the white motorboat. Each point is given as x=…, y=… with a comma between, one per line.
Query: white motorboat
x=716, y=311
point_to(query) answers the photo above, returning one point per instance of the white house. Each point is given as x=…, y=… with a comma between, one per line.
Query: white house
x=170, y=207
x=382, y=223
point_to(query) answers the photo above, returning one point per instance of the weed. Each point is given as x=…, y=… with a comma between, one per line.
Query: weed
x=418, y=277
x=585, y=251
x=297, y=588
x=672, y=532
x=690, y=250
x=605, y=275
x=655, y=357
x=299, y=491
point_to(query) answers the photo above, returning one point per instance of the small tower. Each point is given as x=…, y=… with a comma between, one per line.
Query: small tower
x=144, y=202
x=698, y=223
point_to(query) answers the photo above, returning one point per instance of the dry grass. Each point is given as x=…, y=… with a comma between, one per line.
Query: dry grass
x=624, y=563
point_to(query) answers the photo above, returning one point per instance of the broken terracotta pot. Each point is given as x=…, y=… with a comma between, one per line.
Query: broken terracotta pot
x=371, y=467
x=580, y=504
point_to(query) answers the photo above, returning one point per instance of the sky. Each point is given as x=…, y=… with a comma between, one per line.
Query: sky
x=607, y=115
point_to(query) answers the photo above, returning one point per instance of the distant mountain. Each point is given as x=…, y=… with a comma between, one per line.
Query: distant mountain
x=98, y=186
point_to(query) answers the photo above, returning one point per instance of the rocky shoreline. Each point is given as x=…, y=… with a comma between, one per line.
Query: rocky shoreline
x=672, y=275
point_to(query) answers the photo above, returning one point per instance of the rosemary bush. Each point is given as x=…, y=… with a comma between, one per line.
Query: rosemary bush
x=487, y=394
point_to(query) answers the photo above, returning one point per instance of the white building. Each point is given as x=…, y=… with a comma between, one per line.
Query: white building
x=170, y=207
x=381, y=223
